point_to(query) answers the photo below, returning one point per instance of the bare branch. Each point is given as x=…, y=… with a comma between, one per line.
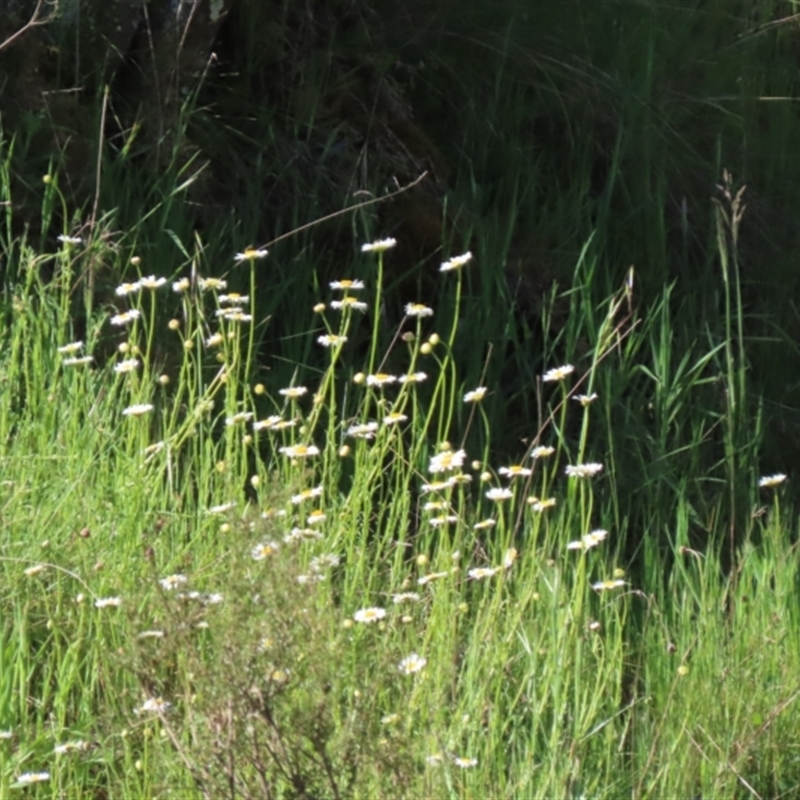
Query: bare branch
x=36, y=19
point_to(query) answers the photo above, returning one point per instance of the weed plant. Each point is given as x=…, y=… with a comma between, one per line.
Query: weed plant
x=217, y=586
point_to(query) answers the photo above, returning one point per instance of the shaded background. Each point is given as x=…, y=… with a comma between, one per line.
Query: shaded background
x=547, y=130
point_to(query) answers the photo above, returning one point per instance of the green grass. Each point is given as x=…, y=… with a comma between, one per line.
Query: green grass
x=678, y=679
x=246, y=567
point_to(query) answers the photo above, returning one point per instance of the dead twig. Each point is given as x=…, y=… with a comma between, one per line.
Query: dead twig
x=35, y=20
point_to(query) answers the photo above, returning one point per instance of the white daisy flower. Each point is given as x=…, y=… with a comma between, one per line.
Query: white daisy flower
x=476, y=395
x=126, y=317
x=411, y=664
x=293, y=392
x=137, y=410
x=300, y=451
x=152, y=282
x=583, y=470
x=456, y=262
x=447, y=461
x=172, y=582
x=379, y=246
x=369, y=614
x=251, y=254
x=346, y=285
x=413, y=377
x=588, y=540
x=516, y=471
x=558, y=374
x=331, y=340
x=71, y=348
x=418, y=310
x=348, y=302
x=542, y=451
x=498, y=494
x=479, y=573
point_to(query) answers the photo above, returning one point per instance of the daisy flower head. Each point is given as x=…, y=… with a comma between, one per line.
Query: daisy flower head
x=152, y=634
x=604, y=586
x=446, y=519
x=456, y=262
x=316, y=517
x=28, y=778
x=264, y=550
x=71, y=348
x=239, y=417
x=152, y=282
x=251, y=254
x=465, y=763
x=71, y=747
x=484, y=524
x=69, y=239
x=583, y=470
x=541, y=505
x=769, y=481
x=234, y=299
x=586, y=399
x=516, y=471
x=447, y=461
x=154, y=705
x=348, y=302
x=137, y=410
x=394, y=418
x=413, y=377
x=212, y=284
x=542, y=451
x=364, y=430
x=108, y=602
x=326, y=561
x=172, y=582
x=293, y=392
x=558, y=374
x=222, y=508
x=418, y=310
x=302, y=535
x=126, y=317
x=306, y=494
x=347, y=285
x=437, y=486
x=499, y=494
x=182, y=285
x=431, y=576
x=234, y=315
x=124, y=289
x=380, y=246
x=368, y=615
x=380, y=379
x=476, y=395
x=77, y=361
x=331, y=339
x=405, y=597
x=300, y=451
x=479, y=573
x=411, y=664
x=588, y=540
x=268, y=423
x=128, y=365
